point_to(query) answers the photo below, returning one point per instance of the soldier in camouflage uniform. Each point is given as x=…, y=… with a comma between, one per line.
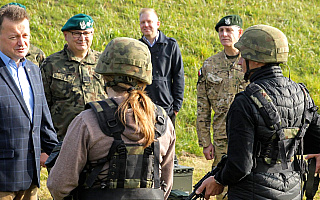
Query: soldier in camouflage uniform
x=220, y=78
x=69, y=76
x=35, y=55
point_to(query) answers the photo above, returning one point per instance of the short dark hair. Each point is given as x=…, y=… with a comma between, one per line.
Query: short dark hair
x=13, y=13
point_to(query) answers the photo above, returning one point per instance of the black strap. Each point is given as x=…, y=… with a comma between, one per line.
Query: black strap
x=266, y=108
x=156, y=145
x=299, y=137
x=108, y=119
x=144, y=169
x=122, y=151
x=115, y=147
x=110, y=124
x=95, y=172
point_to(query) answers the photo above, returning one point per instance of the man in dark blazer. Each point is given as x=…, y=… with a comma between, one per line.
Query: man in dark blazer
x=25, y=121
x=167, y=86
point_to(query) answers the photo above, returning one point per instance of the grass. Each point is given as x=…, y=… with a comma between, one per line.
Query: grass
x=192, y=23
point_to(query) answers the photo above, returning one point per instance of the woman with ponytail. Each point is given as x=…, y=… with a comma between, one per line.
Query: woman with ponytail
x=147, y=135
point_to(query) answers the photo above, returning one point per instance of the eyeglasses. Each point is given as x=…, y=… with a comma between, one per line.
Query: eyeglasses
x=77, y=35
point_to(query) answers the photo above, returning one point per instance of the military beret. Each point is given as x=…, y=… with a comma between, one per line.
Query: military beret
x=15, y=4
x=78, y=22
x=229, y=20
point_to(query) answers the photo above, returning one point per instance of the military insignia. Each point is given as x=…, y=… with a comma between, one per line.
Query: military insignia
x=200, y=75
x=227, y=21
x=83, y=25
x=89, y=24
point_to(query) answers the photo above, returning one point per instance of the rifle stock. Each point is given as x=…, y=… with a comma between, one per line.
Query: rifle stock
x=217, y=168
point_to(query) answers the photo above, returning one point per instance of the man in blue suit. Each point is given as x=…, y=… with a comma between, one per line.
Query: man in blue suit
x=25, y=121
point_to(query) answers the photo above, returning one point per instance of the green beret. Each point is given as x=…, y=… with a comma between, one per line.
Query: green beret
x=15, y=4
x=78, y=22
x=229, y=20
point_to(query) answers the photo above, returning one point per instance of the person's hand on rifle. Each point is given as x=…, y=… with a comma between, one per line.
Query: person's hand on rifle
x=317, y=157
x=212, y=187
x=208, y=152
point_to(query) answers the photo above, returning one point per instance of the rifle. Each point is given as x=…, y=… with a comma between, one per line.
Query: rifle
x=217, y=168
x=312, y=183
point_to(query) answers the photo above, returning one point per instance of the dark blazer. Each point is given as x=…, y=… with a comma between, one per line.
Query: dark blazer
x=20, y=139
x=167, y=86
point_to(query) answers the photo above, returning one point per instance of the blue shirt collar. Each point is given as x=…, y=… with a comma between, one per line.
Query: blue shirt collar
x=8, y=60
x=154, y=41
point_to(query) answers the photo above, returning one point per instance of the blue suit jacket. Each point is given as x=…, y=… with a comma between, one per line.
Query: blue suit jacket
x=20, y=139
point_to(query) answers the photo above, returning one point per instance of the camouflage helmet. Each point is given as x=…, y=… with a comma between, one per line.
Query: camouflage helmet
x=126, y=57
x=265, y=44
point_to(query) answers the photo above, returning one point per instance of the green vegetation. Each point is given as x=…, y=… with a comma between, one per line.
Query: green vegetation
x=192, y=23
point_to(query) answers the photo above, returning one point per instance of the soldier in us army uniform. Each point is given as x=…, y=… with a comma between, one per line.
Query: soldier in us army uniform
x=220, y=78
x=69, y=76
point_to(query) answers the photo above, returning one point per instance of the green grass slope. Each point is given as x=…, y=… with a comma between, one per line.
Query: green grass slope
x=192, y=23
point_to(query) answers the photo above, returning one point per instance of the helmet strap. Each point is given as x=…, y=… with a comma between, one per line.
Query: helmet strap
x=247, y=74
x=249, y=71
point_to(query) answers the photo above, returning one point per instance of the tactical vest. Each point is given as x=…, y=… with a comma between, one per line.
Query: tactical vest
x=133, y=171
x=280, y=153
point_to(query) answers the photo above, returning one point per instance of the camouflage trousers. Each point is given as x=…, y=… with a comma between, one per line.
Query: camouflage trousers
x=220, y=149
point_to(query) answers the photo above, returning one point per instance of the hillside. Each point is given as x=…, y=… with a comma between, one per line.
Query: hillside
x=191, y=23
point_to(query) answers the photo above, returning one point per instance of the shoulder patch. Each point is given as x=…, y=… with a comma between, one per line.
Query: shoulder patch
x=200, y=75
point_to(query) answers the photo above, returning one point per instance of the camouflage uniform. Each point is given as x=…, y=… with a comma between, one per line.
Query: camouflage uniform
x=219, y=80
x=69, y=84
x=35, y=55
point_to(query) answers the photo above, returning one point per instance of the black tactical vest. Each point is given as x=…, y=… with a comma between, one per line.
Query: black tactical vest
x=278, y=153
x=133, y=171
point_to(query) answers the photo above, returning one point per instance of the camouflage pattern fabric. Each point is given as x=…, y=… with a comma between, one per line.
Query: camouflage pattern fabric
x=218, y=82
x=35, y=55
x=69, y=84
x=126, y=57
x=264, y=44
x=220, y=79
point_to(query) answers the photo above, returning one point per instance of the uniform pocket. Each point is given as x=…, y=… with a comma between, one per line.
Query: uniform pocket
x=62, y=84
